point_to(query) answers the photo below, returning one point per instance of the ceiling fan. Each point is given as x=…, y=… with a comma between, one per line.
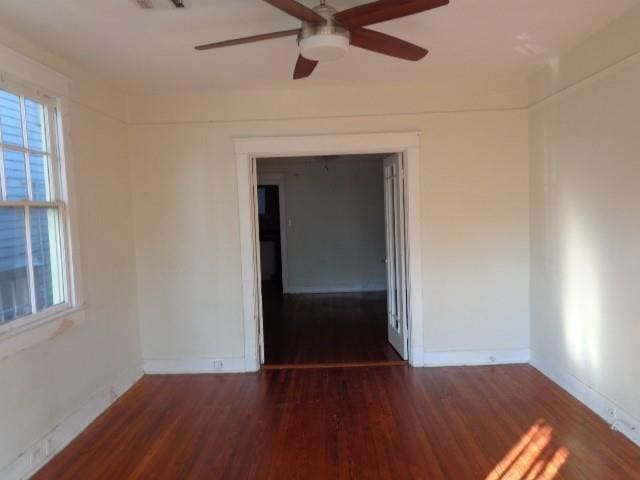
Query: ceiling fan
x=326, y=34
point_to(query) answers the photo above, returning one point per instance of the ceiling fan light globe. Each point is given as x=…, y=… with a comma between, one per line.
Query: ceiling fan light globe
x=323, y=48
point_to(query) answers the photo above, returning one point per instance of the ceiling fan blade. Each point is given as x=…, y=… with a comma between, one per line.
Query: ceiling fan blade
x=304, y=67
x=383, y=10
x=386, y=44
x=253, y=38
x=298, y=10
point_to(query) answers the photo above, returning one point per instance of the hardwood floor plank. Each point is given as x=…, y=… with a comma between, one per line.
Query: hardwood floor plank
x=306, y=366
x=493, y=423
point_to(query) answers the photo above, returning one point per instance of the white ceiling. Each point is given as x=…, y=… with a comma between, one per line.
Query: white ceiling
x=153, y=50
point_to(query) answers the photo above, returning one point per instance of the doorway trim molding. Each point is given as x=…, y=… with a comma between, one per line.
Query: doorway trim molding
x=248, y=149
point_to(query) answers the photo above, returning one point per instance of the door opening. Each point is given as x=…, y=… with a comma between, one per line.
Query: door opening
x=333, y=286
x=249, y=149
x=270, y=236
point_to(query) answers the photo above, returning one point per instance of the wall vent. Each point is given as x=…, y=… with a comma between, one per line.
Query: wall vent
x=160, y=4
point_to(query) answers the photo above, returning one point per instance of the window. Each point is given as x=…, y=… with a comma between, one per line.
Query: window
x=33, y=269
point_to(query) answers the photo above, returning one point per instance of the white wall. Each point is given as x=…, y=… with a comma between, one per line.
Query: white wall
x=336, y=237
x=585, y=277
x=57, y=386
x=475, y=209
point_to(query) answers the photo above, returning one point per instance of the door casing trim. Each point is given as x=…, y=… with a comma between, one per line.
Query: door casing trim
x=248, y=149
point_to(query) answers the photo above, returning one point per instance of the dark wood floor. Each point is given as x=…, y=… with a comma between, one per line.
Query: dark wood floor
x=506, y=422
x=326, y=329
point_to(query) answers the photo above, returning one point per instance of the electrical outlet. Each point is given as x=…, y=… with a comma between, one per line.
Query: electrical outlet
x=492, y=359
x=217, y=364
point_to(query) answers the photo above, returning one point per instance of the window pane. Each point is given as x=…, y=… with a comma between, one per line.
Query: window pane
x=35, y=125
x=40, y=188
x=10, y=119
x=15, y=300
x=47, y=257
x=15, y=175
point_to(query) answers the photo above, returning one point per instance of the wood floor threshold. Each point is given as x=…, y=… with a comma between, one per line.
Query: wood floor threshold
x=307, y=366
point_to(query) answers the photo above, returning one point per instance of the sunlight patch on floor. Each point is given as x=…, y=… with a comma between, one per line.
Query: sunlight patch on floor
x=534, y=457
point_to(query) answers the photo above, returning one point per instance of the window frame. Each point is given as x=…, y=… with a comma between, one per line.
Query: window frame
x=55, y=123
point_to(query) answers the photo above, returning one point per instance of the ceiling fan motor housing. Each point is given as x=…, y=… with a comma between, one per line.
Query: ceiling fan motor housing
x=326, y=41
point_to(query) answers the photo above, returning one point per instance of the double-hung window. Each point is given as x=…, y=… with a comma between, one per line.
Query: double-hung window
x=33, y=256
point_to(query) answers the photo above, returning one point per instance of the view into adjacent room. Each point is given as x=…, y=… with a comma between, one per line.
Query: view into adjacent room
x=323, y=260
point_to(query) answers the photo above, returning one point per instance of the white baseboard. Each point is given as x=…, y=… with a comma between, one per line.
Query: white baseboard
x=613, y=414
x=159, y=366
x=471, y=358
x=345, y=289
x=36, y=456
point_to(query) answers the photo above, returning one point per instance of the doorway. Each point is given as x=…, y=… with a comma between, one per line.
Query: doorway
x=341, y=240
x=250, y=149
x=272, y=247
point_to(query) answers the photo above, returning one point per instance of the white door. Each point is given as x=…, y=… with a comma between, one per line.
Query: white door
x=396, y=265
x=257, y=287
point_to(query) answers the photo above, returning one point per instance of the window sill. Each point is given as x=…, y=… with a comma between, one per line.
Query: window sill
x=14, y=339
